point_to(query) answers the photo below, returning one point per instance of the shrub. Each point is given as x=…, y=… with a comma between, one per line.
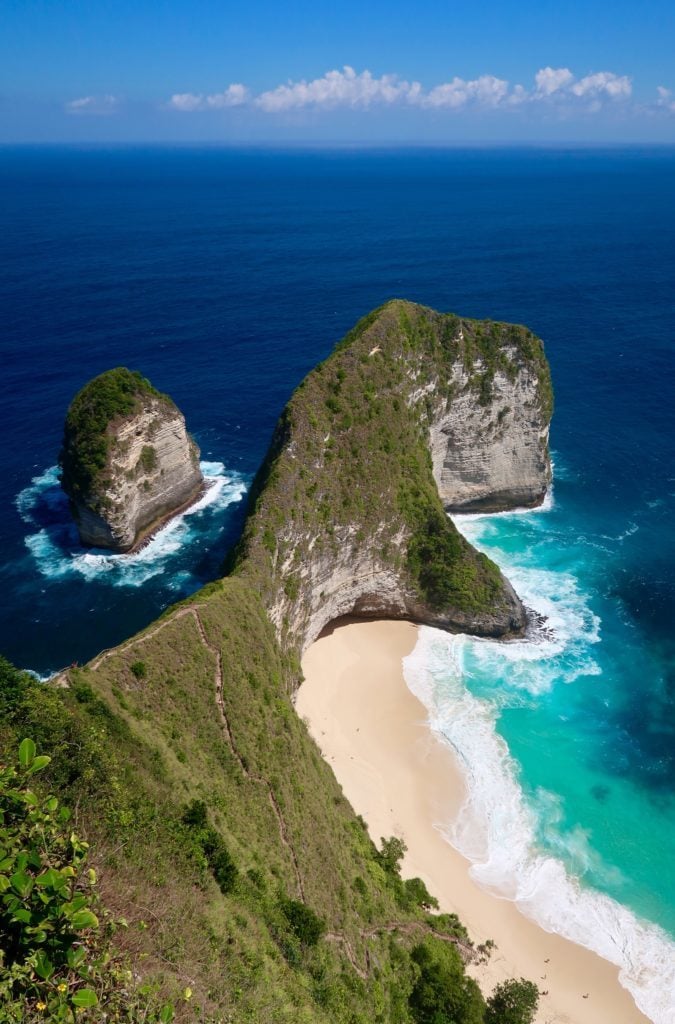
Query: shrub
x=304, y=923
x=195, y=814
x=442, y=994
x=391, y=855
x=223, y=868
x=56, y=959
x=148, y=459
x=418, y=895
x=13, y=685
x=512, y=1002
x=139, y=669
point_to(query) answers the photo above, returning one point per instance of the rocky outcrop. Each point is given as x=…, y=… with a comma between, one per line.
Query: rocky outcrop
x=128, y=463
x=359, y=582
x=492, y=456
x=415, y=413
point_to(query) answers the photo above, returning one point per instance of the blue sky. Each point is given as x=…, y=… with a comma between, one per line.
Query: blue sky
x=368, y=71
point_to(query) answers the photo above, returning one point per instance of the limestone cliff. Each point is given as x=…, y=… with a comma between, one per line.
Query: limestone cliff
x=415, y=412
x=491, y=454
x=127, y=460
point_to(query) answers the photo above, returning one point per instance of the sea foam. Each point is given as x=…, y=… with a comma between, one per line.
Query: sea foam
x=57, y=552
x=497, y=828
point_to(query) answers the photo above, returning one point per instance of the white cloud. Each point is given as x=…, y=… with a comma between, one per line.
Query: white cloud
x=665, y=100
x=187, y=102
x=350, y=89
x=343, y=88
x=518, y=94
x=551, y=80
x=486, y=91
x=614, y=86
x=98, y=106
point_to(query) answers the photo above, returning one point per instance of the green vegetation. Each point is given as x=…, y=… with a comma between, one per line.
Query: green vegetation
x=148, y=459
x=442, y=993
x=234, y=881
x=512, y=1002
x=217, y=855
x=304, y=923
x=235, y=862
x=57, y=960
x=349, y=467
x=86, y=442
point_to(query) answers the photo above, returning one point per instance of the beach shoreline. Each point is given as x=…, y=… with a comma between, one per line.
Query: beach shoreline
x=403, y=781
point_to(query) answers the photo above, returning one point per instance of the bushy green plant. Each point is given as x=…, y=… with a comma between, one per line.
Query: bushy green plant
x=512, y=1002
x=13, y=685
x=218, y=857
x=442, y=993
x=417, y=894
x=55, y=956
x=304, y=923
x=391, y=854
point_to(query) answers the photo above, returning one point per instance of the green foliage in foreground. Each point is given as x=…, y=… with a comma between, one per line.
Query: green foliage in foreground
x=55, y=956
x=512, y=1002
x=108, y=397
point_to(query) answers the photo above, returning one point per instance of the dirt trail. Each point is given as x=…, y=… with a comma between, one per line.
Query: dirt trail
x=220, y=703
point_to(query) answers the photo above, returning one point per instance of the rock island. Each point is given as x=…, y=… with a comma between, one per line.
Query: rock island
x=128, y=463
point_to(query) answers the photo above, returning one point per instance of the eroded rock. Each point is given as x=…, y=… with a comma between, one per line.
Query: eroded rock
x=128, y=462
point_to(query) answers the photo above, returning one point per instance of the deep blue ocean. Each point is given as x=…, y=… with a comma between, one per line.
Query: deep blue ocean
x=224, y=276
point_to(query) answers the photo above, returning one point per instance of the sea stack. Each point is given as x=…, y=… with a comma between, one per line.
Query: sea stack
x=128, y=463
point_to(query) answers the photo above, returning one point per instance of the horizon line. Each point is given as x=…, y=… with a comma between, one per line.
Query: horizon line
x=340, y=144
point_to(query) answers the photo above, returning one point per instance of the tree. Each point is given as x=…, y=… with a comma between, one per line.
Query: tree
x=512, y=1002
x=304, y=923
x=442, y=994
x=391, y=855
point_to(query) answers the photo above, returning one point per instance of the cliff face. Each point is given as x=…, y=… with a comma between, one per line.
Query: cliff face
x=128, y=461
x=492, y=455
x=414, y=413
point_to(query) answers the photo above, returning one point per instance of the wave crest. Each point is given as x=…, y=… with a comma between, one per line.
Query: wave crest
x=57, y=552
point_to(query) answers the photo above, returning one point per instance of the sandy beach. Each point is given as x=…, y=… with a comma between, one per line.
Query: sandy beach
x=403, y=781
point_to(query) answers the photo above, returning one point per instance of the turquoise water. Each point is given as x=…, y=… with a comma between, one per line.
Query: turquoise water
x=556, y=819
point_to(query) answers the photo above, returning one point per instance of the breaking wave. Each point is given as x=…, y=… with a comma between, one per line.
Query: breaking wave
x=513, y=839
x=54, y=545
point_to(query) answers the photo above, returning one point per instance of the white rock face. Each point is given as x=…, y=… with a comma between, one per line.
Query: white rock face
x=494, y=456
x=489, y=452
x=354, y=581
x=152, y=473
